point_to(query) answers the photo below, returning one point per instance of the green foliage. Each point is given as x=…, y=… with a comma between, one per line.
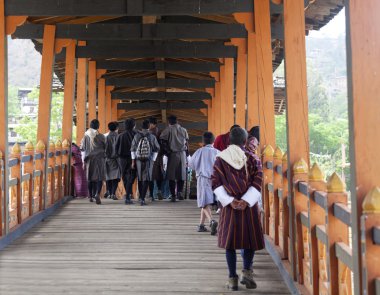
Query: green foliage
x=27, y=127
x=14, y=108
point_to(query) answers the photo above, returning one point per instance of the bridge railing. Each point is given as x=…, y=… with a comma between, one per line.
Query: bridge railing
x=312, y=226
x=27, y=179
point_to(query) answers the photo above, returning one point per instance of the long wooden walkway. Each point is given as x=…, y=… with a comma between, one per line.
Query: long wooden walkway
x=118, y=249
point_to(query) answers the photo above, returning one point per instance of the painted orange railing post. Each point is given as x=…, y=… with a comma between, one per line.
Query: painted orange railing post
x=317, y=218
x=58, y=169
x=66, y=149
x=277, y=184
x=337, y=232
x=28, y=168
x=50, y=174
x=267, y=192
x=39, y=176
x=370, y=239
x=299, y=207
x=283, y=227
x=15, y=203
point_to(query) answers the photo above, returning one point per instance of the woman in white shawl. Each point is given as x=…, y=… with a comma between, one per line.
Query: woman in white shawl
x=93, y=146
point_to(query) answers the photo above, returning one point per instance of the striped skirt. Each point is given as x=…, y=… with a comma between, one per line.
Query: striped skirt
x=240, y=229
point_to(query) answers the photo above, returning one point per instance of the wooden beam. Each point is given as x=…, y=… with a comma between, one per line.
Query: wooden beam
x=125, y=8
x=297, y=113
x=159, y=66
x=252, y=92
x=69, y=93
x=102, y=105
x=91, y=91
x=44, y=102
x=135, y=31
x=4, y=150
x=264, y=70
x=161, y=95
x=160, y=106
x=154, y=51
x=363, y=62
x=165, y=83
x=81, y=95
x=241, y=84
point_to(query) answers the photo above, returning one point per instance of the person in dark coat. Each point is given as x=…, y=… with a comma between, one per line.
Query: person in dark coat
x=144, y=151
x=236, y=182
x=158, y=167
x=174, y=143
x=93, y=145
x=112, y=165
x=123, y=150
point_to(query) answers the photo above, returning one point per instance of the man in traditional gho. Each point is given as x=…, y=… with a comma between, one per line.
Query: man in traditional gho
x=93, y=146
x=236, y=182
x=222, y=141
x=112, y=165
x=174, y=144
x=144, y=151
x=202, y=162
x=123, y=150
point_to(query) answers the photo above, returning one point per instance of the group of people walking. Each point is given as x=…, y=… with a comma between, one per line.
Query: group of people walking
x=230, y=170
x=135, y=154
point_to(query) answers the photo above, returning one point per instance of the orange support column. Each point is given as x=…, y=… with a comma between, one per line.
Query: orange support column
x=91, y=91
x=217, y=105
x=4, y=153
x=241, y=83
x=264, y=72
x=108, y=105
x=297, y=104
x=252, y=92
x=69, y=92
x=228, y=82
x=102, y=105
x=44, y=104
x=114, y=104
x=363, y=59
x=81, y=96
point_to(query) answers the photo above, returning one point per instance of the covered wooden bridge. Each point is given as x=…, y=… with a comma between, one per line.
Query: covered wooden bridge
x=210, y=62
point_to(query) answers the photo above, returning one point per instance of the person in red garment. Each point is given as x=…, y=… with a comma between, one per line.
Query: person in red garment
x=223, y=141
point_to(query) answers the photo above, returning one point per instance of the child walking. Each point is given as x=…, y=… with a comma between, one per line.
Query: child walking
x=202, y=163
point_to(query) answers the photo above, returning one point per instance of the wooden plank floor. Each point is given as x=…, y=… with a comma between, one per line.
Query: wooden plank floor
x=118, y=249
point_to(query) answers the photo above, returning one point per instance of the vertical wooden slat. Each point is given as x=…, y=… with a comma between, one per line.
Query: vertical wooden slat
x=229, y=74
x=363, y=63
x=264, y=72
x=241, y=84
x=44, y=104
x=102, y=105
x=81, y=95
x=252, y=91
x=69, y=92
x=108, y=104
x=297, y=102
x=4, y=192
x=91, y=91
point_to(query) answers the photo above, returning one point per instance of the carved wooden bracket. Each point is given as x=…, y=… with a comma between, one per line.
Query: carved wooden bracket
x=12, y=22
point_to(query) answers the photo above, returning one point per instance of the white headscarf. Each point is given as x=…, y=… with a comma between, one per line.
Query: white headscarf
x=91, y=133
x=234, y=156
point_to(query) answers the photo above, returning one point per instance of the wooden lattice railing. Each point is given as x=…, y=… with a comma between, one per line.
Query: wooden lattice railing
x=26, y=181
x=312, y=226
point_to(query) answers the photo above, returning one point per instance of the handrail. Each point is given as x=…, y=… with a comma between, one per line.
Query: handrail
x=343, y=213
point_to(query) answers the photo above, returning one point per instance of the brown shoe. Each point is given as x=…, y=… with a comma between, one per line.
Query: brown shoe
x=232, y=284
x=247, y=279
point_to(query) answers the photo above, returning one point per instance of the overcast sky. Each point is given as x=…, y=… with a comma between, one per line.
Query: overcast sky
x=334, y=28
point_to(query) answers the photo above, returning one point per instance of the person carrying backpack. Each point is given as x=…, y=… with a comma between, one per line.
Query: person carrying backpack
x=144, y=151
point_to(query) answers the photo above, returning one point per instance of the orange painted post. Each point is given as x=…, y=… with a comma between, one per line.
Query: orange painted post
x=108, y=105
x=59, y=170
x=81, y=95
x=16, y=197
x=229, y=85
x=66, y=148
x=217, y=105
x=253, y=118
x=91, y=91
x=39, y=177
x=51, y=174
x=267, y=195
x=283, y=227
x=114, y=104
x=102, y=105
x=264, y=72
x=297, y=101
x=210, y=116
x=4, y=192
x=29, y=169
x=363, y=59
x=241, y=84
x=223, y=103
x=317, y=217
x=44, y=103
x=277, y=184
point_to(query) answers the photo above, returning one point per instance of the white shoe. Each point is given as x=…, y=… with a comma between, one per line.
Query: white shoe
x=217, y=211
